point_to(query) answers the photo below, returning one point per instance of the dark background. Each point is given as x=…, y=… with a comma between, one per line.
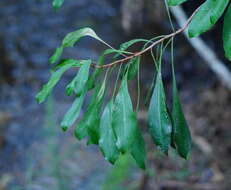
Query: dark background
x=36, y=155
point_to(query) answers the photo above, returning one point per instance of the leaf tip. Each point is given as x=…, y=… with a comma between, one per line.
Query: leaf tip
x=69, y=91
x=185, y=156
x=190, y=33
x=38, y=98
x=228, y=56
x=55, y=57
x=64, y=128
x=111, y=160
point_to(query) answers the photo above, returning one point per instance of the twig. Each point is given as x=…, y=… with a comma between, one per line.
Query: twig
x=124, y=60
x=204, y=51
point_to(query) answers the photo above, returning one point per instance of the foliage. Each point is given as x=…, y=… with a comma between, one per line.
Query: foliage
x=116, y=130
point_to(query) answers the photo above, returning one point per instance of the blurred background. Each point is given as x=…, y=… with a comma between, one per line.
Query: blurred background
x=36, y=155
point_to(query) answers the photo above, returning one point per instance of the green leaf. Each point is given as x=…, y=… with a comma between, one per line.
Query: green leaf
x=73, y=37
x=93, y=124
x=127, y=44
x=77, y=85
x=93, y=128
x=175, y=2
x=55, y=57
x=206, y=17
x=138, y=149
x=180, y=133
x=227, y=33
x=124, y=119
x=64, y=62
x=107, y=142
x=55, y=77
x=92, y=79
x=81, y=128
x=132, y=68
x=158, y=119
x=89, y=124
x=57, y=3
x=91, y=117
x=73, y=113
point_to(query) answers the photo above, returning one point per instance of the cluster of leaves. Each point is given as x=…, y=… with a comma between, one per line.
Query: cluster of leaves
x=114, y=127
x=207, y=16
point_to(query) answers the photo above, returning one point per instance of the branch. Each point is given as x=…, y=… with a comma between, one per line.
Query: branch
x=123, y=60
x=203, y=50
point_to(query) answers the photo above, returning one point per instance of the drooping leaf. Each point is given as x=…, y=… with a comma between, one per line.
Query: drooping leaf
x=71, y=38
x=55, y=77
x=131, y=68
x=124, y=46
x=57, y=3
x=90, y=118
x=93, y=128
x=124, y=119
x=172, y=139
x=64, y=62
x=93, y=124
x=73, y=113
x=207, y=16
x=55, y=57
x=138, y=149
x=77, y=85
x=227, y=33
x=158, y=119
x=180, y=133
x=81, y=128
x=89, y=124
x=107, y=142
x=175, y=2
x=100, y=62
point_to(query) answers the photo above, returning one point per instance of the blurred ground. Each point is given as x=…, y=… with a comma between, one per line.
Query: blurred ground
x=36, y=155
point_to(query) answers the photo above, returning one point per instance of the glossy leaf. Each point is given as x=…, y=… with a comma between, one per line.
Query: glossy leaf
x=73, y=37
x=138, y=149
x=87, y=120
x=101, y=61
x=207, y=16
x=124, y=46
x=124, y=120
x=77, y=85
x=132, y=68
x=55, y=77
x=64, y=62
x=227, y=33
x=55, y=57
x=57, y=3
x=107, y=140
x=93, y=128
x=70, y=40
x=81, y=128
x=73, y=113
x=89, y=124
x=175, y=2
x=93, y=124
x=180, y=133
x=158, y=119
